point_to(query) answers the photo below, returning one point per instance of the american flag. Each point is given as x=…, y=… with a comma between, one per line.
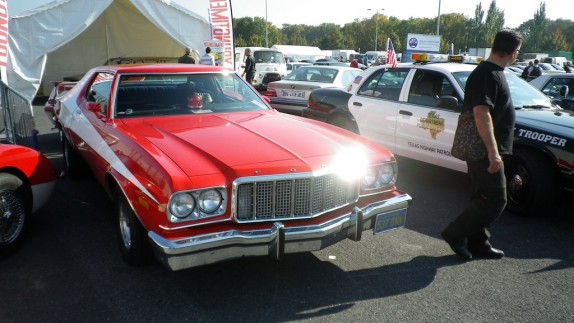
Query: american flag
x=391, y=55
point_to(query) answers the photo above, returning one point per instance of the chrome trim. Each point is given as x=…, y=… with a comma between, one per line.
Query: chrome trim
x=274, y=241
x=352, y=193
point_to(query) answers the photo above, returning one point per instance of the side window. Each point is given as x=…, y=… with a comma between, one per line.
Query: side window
x=384, y=84
x=428, y=86
x=99, y=90
x=552, y=88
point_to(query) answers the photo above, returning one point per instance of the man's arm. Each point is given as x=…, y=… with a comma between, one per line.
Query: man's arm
x=486, y=131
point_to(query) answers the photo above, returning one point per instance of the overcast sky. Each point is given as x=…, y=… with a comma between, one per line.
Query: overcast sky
x=315, y=12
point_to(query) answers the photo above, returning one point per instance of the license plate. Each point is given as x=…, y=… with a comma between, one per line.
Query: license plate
x=293, y=94
x=390, y=221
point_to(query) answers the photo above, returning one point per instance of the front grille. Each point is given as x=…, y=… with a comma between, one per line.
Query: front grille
x=291, y=197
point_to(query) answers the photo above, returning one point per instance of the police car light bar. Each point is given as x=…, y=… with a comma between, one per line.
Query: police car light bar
x=443, y=58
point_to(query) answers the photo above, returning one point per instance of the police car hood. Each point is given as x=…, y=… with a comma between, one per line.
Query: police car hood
x=558, y=122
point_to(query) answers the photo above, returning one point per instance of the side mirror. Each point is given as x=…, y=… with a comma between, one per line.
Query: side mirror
x=266, y=99
x=94, y=107
x=564, y=91
x=448, y=102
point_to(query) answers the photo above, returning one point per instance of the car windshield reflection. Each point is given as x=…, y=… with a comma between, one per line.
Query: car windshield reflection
x=140, y=95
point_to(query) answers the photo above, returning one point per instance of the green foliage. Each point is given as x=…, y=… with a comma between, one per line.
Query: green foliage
x=539, y=33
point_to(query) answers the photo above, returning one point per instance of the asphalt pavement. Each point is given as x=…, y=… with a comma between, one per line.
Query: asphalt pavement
x=69, y=269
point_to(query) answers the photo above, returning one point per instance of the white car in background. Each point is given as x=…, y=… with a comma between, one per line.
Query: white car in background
x=290, y=94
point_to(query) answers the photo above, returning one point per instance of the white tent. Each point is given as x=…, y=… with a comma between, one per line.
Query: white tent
x=68, y=37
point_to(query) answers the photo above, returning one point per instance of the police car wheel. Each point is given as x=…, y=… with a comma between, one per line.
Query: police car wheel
x=531, y=183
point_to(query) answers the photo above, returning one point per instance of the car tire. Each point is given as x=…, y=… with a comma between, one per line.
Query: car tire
x=74, y=166
x=132, y=237
x=14, y=213
x=344, y=123
x=531, y=183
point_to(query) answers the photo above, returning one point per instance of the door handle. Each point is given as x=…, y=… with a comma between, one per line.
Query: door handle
x=357, y=104
x=407, y=113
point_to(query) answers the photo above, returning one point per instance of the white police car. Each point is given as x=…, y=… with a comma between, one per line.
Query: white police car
x=413, y=110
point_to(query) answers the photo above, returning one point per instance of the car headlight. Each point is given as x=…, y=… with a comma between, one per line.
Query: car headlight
x=210, y=201
x=379, y=177
x=196, y=204
x=182, y=205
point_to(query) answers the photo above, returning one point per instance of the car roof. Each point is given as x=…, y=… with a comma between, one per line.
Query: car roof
x=444, y=67
x=330, y=67
x=164, y=68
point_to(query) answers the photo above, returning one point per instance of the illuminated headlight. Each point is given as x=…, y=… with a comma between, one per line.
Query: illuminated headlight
x=197, y=204
x=182, y=205
x=210, y=201
x=379, y=176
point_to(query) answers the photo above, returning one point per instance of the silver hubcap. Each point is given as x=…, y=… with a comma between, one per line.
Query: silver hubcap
x=124, y=223
x=12, y=216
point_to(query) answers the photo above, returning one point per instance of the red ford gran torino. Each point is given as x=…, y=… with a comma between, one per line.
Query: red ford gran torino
x=202, y=170
x=26, y=182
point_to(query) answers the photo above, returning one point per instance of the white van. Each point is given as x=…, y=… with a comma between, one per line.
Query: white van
x=270, y=65
x=376, y=56
x=555, y=60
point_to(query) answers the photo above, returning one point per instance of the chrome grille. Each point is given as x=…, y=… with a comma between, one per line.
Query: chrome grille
x=290, y=197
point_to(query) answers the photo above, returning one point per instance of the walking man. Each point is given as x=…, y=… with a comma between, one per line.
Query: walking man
x=487, y=94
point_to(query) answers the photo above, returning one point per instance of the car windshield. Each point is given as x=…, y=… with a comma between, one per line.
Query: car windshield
x=140, y=95
x=523, y=94
x=267, y=56
x=313, y=74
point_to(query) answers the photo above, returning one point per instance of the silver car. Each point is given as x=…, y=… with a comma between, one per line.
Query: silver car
x=290, y=94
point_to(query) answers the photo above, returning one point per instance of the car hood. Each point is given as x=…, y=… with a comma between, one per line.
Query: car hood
x=559, y=122
x=268, y=142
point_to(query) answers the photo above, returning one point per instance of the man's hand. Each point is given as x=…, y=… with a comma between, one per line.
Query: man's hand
x=495, y=163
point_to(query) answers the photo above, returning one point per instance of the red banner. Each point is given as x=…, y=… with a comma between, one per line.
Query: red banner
x=222, y=27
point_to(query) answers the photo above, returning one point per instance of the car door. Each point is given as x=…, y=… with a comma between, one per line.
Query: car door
x=375, y=105
x=425, y=131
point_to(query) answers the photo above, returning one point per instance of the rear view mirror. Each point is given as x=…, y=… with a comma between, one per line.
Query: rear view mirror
x=94, y=107
x=448, y=102
x=564, y=91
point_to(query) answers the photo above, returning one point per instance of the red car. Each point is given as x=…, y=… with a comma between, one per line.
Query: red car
x=26, y=182
x=51, y=104
x=202, y=170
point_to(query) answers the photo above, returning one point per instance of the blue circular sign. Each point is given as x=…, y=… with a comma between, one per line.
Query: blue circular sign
x=413, y=42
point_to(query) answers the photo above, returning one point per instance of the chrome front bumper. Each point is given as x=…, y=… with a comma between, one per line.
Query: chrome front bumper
x=275, y=241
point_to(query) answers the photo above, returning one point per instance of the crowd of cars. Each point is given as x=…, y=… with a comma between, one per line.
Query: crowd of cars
x=202, y=168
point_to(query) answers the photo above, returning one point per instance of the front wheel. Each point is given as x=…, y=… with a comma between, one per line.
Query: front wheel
x=132, y=237
x=531, y=183
x=13, y=213
x=74, y=167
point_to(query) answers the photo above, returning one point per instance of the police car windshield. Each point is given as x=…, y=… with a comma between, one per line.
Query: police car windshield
x=523, y=94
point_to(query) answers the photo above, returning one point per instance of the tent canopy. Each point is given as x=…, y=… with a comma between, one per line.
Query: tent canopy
x=68, y=37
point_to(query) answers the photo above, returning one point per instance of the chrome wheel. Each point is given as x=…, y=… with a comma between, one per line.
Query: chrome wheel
x=12, y=216
x=124, y=225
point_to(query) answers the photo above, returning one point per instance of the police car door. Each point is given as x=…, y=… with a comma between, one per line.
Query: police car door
x=374, y=105
x=425, y=131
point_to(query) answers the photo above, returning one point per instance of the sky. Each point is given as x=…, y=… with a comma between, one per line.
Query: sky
x=340, y=12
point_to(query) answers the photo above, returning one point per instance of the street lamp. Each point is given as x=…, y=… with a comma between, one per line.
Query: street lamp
x=376, y=26
x=438, y=19
x=266, y=26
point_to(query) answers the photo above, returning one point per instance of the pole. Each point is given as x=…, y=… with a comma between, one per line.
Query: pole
x=266, y=27
x=376, y=28
x=438, y=20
